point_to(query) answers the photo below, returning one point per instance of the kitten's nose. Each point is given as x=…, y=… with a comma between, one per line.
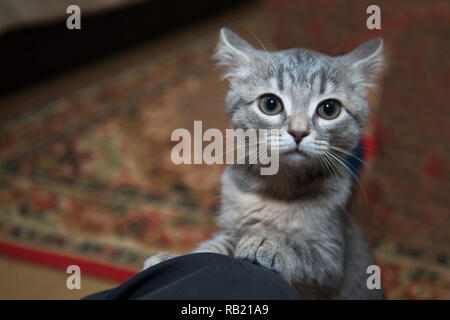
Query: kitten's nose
x=298, y=134
x=298, y=127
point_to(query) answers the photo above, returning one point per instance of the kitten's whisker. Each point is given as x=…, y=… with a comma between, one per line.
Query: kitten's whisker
x=332, y=167
x=249, y=154
x=334, y=156
x=349, y=154
x=238, y=147
x=322, y=162
x=273, y=64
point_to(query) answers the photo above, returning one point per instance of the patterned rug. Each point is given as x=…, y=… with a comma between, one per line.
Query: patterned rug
x=86, y=176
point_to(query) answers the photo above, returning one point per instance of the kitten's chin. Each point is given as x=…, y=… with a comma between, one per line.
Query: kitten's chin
x=294, y=157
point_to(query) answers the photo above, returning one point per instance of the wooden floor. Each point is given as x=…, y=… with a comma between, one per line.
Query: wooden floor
x=23, y=280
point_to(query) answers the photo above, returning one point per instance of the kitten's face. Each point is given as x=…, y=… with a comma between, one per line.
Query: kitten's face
x=315, y=101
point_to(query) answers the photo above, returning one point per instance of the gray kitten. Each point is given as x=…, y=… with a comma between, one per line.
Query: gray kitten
x=295, y=222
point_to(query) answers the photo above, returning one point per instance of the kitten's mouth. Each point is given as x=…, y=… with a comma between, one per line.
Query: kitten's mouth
x=296, y=152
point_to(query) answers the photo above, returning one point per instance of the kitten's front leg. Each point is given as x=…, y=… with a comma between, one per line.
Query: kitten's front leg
x=269, y=253
x=222, y=243
x=158, y=258
x=315, y=271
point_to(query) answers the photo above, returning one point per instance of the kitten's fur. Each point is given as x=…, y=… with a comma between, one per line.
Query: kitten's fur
x=295, y=223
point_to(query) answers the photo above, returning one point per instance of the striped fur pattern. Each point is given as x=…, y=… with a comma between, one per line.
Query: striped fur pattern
x=295, y=222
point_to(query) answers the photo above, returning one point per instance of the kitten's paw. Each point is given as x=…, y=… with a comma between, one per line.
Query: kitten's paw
x=157, y=258
x=267, y=253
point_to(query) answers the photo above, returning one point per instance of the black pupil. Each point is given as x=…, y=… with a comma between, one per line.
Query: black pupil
x=271, y=103
x=329, y=108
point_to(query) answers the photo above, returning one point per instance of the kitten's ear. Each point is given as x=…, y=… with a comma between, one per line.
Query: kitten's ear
x=232, y=51
x=366, y=61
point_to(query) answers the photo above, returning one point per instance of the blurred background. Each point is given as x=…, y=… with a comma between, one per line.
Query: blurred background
x=86, y=117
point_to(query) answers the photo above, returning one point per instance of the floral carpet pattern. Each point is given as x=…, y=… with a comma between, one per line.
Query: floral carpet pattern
x=85, y=159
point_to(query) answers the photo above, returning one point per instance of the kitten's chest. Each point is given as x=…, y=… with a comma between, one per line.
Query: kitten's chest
x=247, y=212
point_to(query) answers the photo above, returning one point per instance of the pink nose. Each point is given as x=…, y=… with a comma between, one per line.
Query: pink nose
x=298, y=134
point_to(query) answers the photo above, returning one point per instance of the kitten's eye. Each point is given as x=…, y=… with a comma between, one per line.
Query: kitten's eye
x=329, y=109
x=270, y=104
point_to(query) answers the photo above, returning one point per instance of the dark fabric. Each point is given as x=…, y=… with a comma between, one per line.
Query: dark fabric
x=202, y=276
